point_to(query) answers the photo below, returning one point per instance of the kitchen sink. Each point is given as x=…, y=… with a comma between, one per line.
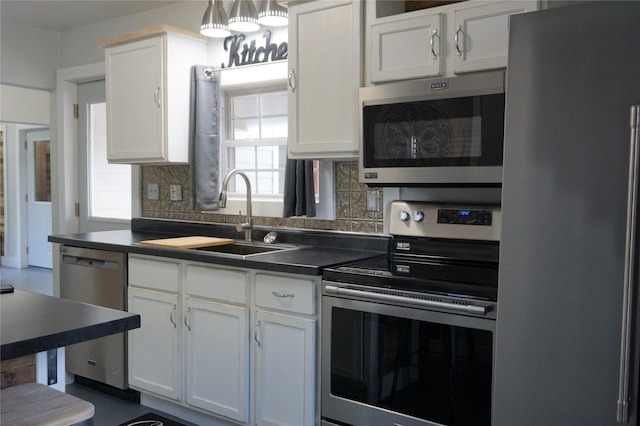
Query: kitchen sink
x=244, y=249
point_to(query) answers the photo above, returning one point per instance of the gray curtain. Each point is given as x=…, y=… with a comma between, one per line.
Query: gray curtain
x=204, y=137
x=299, y=197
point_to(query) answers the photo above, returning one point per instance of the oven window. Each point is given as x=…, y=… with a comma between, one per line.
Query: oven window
x=464, y=131
x=432, y=371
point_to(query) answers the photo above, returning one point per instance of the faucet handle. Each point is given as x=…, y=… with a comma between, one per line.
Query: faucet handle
x=242, y=226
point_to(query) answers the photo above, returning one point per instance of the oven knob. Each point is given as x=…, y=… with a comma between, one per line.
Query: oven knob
x=404, y=215
x=418, y=216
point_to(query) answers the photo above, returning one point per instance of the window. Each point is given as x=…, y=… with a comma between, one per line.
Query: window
x=256, y=141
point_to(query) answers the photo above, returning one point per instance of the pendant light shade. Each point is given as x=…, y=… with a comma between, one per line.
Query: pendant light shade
x=273, y=14
x=215, y=22
x=243, y=17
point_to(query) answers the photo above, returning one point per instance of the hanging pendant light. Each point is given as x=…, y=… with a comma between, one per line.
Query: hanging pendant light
x=214, y=21
x=272, y=14
x=243, y=17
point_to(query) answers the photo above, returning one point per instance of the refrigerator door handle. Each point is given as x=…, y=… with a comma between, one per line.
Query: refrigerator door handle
x=622, y=415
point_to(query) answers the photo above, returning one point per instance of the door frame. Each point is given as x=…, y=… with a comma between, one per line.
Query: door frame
x=20, y=109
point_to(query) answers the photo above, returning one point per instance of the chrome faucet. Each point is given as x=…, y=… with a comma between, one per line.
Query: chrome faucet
x=247, y=226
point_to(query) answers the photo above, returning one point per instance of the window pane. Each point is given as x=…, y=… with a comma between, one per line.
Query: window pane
x=42, y=161
x=274, y=103
x=245, y=128
x=109, y=184
x=266, y=181
x=274, y=127
x=245, y=158
x=245, y=106
x=265, y=157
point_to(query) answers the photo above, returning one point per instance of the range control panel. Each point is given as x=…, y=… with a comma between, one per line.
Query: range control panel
x=420, y=219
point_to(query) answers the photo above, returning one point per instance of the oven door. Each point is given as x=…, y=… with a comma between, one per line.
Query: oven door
x=385, y=364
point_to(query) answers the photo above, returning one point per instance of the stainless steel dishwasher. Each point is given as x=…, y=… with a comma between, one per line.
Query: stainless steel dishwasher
x=97, y=277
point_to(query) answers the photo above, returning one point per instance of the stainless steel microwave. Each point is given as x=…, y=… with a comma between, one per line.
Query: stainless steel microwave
x=433, y=132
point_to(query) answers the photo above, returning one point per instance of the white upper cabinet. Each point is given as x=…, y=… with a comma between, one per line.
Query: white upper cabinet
x=148, y=90
x=482, y=34
x=407, y=48
x=456, y=38
x=324, y=77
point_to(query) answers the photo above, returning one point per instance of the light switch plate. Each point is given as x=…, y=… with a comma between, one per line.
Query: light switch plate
x=373, y=205
x=153, y=191
x=175, y=192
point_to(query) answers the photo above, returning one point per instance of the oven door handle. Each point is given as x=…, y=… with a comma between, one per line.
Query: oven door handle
x=391, y=298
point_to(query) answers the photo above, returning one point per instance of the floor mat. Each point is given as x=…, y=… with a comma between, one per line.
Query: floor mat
x=151, y=419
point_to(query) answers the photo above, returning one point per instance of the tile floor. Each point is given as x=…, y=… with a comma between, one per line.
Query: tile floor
x=110, y=410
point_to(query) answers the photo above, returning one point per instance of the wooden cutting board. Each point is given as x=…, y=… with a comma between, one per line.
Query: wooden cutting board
x=189, y=242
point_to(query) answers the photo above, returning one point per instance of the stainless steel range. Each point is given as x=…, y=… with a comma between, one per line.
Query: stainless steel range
x=408, y=338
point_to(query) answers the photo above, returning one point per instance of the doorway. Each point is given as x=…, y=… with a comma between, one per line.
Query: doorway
x=104, y=190
x=25, y=212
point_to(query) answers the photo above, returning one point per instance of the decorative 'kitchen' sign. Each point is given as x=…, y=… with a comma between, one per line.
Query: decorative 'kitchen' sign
x=250, y=54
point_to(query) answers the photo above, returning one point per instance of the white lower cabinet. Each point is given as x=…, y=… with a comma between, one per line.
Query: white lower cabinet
x=286, y=353
x=217, y=358
x=214, y=339
x=285, y=370
x=154, y=358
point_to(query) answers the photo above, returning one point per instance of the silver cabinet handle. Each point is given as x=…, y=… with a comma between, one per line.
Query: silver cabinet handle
x=457, y=40
x=434, y=34
x=186, y=319
x=622, y=414
x=282, y=295
x=156, y=97
x=172, y=316
x=293, y=83
x=257, y=331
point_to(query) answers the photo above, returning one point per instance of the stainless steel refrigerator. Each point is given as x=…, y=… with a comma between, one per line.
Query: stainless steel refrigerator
x=567, y=343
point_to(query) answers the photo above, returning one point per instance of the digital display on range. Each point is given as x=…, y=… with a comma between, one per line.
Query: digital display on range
x=465, y=217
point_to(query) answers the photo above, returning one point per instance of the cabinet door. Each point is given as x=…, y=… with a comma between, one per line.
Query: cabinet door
x=409, y=48
x=135, y=98
x=154, y=352
x=481, y=39
x=324, y=78
x=217, y=360
x=286, y=370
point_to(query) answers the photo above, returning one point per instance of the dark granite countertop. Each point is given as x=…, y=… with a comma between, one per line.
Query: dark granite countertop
x=317, y=249
x=32, y=323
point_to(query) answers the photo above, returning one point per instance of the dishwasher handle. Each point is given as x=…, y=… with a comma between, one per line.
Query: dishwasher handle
x=90, y=263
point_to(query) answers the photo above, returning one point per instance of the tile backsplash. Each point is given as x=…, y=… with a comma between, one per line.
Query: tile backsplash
x=351, y=202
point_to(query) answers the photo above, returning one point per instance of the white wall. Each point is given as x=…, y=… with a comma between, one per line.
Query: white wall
x=21, y=105
x=78, y=45
x=29, y=56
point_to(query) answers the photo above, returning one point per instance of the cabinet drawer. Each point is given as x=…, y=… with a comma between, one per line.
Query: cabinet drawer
x=286, y=293
x=156, y=274
x=217, y=283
